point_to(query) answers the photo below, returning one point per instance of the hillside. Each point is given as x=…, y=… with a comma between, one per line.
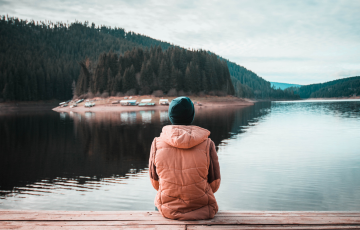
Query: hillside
x=279, y=85
x=41, y=60
x=151, y=70
x=345, y=87
x=248, y=84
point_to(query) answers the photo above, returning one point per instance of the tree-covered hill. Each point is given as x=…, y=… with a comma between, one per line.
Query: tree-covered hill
x=146, y=71
x=345, y=87
x=41, y=61
x=249, y=84
x=244, y=79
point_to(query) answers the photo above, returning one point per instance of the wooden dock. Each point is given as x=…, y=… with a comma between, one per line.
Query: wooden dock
x=153, y=220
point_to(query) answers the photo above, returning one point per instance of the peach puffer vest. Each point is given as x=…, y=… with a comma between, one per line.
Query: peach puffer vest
x=184, y=168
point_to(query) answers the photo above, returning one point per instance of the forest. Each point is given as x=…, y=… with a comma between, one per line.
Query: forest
x=147, y=71
x=44, y=60
x=248, y=84
x=41, y=60
x=345, y=87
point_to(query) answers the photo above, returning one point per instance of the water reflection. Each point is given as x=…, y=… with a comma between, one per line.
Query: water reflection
x=146, y=116
x=301, y=156
x=89, y=115
x=164, y=116
x=49, y=153
x=128, y=117
x=63, y=116
x=339, y=108
x=273, y=156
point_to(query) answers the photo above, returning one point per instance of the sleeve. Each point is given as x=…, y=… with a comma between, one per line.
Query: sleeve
x=214, y=169
x=154, y=178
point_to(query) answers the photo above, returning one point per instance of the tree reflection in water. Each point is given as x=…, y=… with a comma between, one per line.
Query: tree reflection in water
x=48, y=147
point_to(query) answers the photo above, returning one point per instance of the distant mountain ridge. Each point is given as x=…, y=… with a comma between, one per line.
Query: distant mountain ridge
x=346, y=87
x=283, y=86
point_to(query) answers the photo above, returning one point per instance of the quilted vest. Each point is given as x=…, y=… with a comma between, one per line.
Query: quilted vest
x=182, y=161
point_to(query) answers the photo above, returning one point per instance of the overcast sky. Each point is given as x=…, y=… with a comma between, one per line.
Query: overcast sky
x=292, y=41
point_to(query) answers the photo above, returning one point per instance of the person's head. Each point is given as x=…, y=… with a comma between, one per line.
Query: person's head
x=181, y=111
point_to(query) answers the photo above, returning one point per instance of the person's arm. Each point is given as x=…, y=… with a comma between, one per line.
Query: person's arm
x=154, y=178
x=214, y=169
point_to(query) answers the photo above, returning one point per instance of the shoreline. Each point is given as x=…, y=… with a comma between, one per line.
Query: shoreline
x=105, y=105
x=10, y=107
x=332, y=98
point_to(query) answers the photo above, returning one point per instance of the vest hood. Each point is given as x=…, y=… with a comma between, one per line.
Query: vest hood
x=184, y=137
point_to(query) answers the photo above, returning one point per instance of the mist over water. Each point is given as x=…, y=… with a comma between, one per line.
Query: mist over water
x=273, y=156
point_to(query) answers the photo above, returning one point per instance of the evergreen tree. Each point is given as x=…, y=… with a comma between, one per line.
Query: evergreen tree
x=129, y=81
x=188, y=82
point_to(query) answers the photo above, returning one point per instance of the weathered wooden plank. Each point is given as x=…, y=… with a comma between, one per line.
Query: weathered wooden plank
x=228, y=221
x=81, y=225
x=24, y=219
x=121, y=225
x=153, y=213
x=269, y=227
x=142, y=216
x=58, y=217
x=298, y=214
x=79, y=212
x=141, y=212
x=65, y=215
x=285, y=220
x=289, y=213
x=142, y=227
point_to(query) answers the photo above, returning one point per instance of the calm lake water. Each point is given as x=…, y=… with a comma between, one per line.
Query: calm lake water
x=273, y=156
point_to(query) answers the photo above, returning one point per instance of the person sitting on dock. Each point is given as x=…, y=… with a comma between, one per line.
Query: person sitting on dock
x=184, y=166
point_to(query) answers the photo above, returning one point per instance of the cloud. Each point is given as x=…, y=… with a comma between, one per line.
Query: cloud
x=302, y=41
x=348, y=73
x=272, y=59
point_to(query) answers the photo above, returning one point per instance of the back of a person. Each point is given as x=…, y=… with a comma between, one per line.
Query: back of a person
x=184, y=167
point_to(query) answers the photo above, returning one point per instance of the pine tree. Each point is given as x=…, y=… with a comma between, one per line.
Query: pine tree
x=129, y=80
x=188, y=81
